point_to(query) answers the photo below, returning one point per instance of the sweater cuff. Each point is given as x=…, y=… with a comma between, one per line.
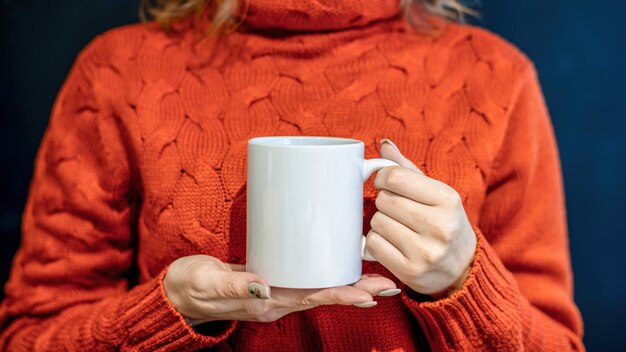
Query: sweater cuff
x=153, y=323
x=465, y=319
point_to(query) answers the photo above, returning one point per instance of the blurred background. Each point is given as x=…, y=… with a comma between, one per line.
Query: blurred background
x=579, y=49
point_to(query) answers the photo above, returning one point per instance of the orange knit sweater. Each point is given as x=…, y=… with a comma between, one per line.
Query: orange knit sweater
x=144, y=161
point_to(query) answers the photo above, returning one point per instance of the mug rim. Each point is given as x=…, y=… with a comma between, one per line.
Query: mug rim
x=341, y=142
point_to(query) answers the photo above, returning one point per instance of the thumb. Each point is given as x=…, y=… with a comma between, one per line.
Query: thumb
x=255, y=286
x=389, y=150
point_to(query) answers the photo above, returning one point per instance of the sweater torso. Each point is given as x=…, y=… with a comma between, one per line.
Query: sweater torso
x=187, y=105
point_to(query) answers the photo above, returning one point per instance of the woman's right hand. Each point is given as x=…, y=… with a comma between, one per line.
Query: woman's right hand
x=202, y=288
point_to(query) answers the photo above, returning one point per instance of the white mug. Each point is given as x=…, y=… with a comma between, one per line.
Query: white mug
x=305, y=210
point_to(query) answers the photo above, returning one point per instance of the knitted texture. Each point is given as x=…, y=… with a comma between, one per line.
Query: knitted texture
x=144, y=161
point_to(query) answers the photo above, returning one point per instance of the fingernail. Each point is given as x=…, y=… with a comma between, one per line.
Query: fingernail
x=365, y=304
x=258, y=290
x=389, y=292
x=386, y=140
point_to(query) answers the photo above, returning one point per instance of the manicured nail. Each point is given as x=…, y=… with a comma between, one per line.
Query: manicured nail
x=365, y=304
x=258, y=290
x=389, y=292
x=385, y=140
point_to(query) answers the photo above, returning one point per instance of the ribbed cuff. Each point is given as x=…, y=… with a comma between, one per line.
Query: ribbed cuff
x=483, y=314
x=152, y=323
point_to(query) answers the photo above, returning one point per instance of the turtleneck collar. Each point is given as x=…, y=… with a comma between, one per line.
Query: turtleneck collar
x=317, y=15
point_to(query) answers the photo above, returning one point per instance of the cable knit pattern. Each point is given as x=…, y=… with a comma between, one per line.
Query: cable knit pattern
x=144, y=161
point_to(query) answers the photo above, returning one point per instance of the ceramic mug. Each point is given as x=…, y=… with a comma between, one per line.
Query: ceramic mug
x=305, y=209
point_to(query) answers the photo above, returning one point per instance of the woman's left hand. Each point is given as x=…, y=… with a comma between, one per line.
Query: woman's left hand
x=420, y=232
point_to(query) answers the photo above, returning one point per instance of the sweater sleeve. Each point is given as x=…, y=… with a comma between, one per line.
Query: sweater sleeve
x=69, y=287
x=518, y=295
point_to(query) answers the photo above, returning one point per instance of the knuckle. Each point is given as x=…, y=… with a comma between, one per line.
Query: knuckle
x=198, y=280
x=382, y=199
x=395, y=176
x=433, y=255
x=304, y=301
x=370, y=241
x=447, y=230
x=379, y=180
x=229, y=289
x=379, y=202
x=196, y=274
x=392, y=200
x=376, y=221
x=451, y=196
x=427, y=256
x=413, y=270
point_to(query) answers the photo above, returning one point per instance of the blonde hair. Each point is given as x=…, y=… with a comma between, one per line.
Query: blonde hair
x=227, y=14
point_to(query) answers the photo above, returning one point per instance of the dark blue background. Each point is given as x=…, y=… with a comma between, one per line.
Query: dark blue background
x=579, y=49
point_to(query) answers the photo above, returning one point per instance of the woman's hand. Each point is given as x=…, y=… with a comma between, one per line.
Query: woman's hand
x=421, y=232
x=203, y=289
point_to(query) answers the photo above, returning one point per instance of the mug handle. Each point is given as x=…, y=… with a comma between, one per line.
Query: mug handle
x=369, y=166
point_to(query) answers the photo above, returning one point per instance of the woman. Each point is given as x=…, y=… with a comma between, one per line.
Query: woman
x=134, y=230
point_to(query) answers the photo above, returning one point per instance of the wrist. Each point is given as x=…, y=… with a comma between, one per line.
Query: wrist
x=193, y=322
x=460, y=281
x=455, y=286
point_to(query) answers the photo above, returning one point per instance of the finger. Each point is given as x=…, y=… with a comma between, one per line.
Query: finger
x=396, y=233
x=363, y=276
x=375, y=284
x=344, y=295
x=278, y=313
x=389, y=150
x=385, y=253
x=236, y=267
x=411, y=184
x=237, y=284
x=257, y=289
x=416, y=216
